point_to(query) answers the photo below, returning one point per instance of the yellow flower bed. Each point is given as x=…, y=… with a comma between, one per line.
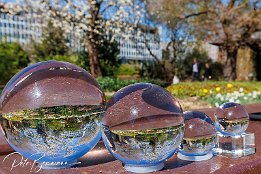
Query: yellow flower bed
x=206, y=89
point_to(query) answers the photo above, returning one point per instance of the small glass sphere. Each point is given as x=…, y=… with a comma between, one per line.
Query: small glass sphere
x=51, y=112
x=142, y=126
x=231, y=119
x=199, y=134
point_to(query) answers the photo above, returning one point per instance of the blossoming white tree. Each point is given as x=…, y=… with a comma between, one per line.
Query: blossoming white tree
x=90, y=20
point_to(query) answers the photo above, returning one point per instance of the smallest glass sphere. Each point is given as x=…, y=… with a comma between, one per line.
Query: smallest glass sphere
x=231, y=119
x=199, y=137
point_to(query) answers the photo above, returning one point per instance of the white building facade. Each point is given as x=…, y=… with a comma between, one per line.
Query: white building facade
x=14, y=28
x=141, y=45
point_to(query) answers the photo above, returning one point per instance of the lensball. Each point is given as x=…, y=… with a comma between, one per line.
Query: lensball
x=199, y=136
x=231, y=119
x=142, y=126
x=51, y=113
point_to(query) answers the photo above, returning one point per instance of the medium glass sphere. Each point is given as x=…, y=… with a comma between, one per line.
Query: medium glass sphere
x=51, y=112
x=231, y=119
x=142, y=126
x=199, y=134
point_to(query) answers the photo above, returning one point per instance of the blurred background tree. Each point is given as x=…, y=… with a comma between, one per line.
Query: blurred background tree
x=108, y=58
x=53, y=43
x=178, y=44
x=53, y=46
x=227, y=24
x=12, y=59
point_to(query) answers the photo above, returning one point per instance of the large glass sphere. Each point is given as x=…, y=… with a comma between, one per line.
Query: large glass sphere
x=231, y=119
x=199, y=135
x=142, y=126
x=51, y=113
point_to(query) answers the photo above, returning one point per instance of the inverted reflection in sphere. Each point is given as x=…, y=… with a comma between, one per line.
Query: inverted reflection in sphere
x=199, y=135
x=51, y=112
x=231, y=119
x=142, y=126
